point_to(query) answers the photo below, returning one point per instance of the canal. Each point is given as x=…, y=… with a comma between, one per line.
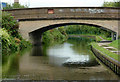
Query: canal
x=69, y=60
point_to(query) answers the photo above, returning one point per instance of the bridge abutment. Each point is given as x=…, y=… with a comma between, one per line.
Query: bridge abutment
x=114, y=36
x=36, y=38
x=117, y=36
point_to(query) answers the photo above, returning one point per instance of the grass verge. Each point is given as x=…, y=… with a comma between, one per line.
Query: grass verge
x=105, y=51
x=115, y=43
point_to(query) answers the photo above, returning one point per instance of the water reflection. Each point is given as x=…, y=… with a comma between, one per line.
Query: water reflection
x=10, y=65
x=54, y=62
x=37, y=51
x=73, y=53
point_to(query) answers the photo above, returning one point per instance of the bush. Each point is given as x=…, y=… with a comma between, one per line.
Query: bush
x=10, y=24
x=52, y=35
x=24, y=44
x=8, y=43
x=11, y=39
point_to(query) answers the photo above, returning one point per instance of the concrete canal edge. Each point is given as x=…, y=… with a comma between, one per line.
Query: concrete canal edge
x=113, y=65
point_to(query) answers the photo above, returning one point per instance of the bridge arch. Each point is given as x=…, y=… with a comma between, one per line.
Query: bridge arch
x=65, y=24
x=26, y=27
x=31, y=19
x=36, y=35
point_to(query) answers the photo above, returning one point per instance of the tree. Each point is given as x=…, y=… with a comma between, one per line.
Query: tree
x=15, y=6
x=112, y=4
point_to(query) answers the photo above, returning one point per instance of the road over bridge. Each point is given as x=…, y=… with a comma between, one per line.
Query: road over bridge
x=34, y=21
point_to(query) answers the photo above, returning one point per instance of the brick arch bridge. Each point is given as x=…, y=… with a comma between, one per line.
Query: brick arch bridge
x=34, y=21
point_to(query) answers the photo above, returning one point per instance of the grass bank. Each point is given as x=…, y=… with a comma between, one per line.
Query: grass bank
x=115, y=44
x=104, y=51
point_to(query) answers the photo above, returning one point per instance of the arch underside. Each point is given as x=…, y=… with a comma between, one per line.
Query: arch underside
x=36, y=28
x=43, y=29
x=37, y=34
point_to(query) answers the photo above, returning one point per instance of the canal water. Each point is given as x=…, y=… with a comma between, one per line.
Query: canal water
x=69, y=60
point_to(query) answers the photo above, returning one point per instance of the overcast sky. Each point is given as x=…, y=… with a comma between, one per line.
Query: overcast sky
x=60, y=3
